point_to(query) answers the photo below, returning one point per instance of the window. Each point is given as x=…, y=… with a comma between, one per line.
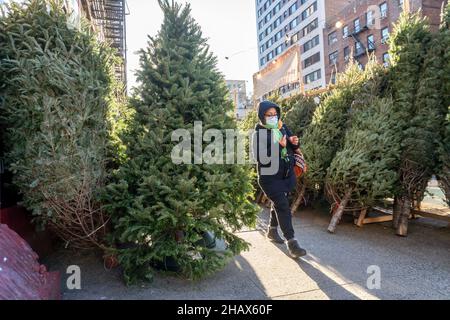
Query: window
x=277, y=22
x=261, y=49
x=386, y=59
x=400, y=4
x=384, y=35
x=358, y=48
x=346, y=54
x=370, y=42
x=311, y=60
x=345, y=32
x=311, y=43
x=268, y=30
x=263, y=61
x=259, y=13
x=370, y=21
x=333, y=78
x=261, y=36
x=357, y=25
x=309, y=11
x=310, y=27
x=268, y=17
x=293, y=23
x=332, y=38
x=278, y=35
x=293, y=8
x=383, y=10
x=260, y=24
x=270, y=56
x=278, y=49
x=313, y=76
x=277, y=8
x=269, y=43
x=333, y=57
x=303, y=1
x=294, y=38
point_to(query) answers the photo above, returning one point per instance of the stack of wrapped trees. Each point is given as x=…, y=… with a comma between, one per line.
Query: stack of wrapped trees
x=58, y=97
x=325, y=135
x=419, y=107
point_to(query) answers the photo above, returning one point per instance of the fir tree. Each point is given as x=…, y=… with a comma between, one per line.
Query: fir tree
x=415, y=65
x=57, y=91
x=324, y=137
x=444, y=148
x=161, y=209
x=299, y=115
x=365, y=170
x=299, y=111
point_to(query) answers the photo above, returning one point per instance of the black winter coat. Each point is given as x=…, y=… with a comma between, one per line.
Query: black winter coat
x=284, y=179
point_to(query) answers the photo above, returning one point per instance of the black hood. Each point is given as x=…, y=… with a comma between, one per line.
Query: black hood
x=264, y=106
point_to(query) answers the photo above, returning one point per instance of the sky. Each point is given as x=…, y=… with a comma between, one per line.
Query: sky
x=230, y=26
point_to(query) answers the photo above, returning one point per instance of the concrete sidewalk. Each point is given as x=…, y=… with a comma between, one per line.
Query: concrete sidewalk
x=416, y=267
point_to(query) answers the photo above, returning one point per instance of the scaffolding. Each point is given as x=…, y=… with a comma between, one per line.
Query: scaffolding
x=108, y=17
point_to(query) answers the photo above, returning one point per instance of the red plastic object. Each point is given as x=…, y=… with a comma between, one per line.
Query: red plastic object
x=19, y=220
x=22, y=277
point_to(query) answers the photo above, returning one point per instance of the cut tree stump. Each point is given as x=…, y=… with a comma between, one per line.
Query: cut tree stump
x=299, y=199
x=397, y=209
x=339, y=212
x=402, y=227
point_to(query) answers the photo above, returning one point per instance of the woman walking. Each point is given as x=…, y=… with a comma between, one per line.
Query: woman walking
x=274, y=147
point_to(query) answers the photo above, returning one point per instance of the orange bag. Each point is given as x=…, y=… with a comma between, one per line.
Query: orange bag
x=300, y=164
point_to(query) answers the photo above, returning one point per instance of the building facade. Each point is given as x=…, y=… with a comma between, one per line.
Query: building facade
x=107, y=18
x=283, y=24
x=363, y=27
x=238, y=94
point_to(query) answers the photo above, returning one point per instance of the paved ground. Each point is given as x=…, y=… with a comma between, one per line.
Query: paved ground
x=416, y=267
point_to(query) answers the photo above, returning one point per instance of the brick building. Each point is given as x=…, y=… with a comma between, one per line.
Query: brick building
x=291, y=31
x=107, y=18
x=363, y=26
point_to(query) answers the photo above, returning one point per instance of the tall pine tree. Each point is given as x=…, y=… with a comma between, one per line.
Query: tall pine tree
x=160, y=209
x=416, y=84
x=444, y=148
x=325, y=135
x=57, y=95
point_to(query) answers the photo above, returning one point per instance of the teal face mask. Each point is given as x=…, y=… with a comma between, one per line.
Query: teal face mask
x=272, y=121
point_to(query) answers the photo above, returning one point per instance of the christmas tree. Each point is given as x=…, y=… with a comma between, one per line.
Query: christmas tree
x=359, y=170
x=299, y=110
x=416, y=85
x=325, y=135
x=365, y=170
x=444, y=148
x=57, y=91
x=160, y=209
x=299, y=115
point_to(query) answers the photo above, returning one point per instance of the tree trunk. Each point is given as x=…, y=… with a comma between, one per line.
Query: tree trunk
x=260, y=197
x=339, y=212
x=402, y=227
x=299, y=198
x=397, y=209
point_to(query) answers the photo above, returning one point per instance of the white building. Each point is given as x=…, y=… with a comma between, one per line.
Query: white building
x=283, y=24
x=238, y=94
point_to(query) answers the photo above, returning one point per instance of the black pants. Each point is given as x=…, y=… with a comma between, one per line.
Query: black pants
x=280, y=214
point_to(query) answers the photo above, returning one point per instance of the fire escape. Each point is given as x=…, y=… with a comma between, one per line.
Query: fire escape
x=108, y=17
x=361, y=49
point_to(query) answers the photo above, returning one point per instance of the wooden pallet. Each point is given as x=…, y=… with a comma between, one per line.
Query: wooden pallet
x=388, y=216
x=432, y=215
x=364, y=219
